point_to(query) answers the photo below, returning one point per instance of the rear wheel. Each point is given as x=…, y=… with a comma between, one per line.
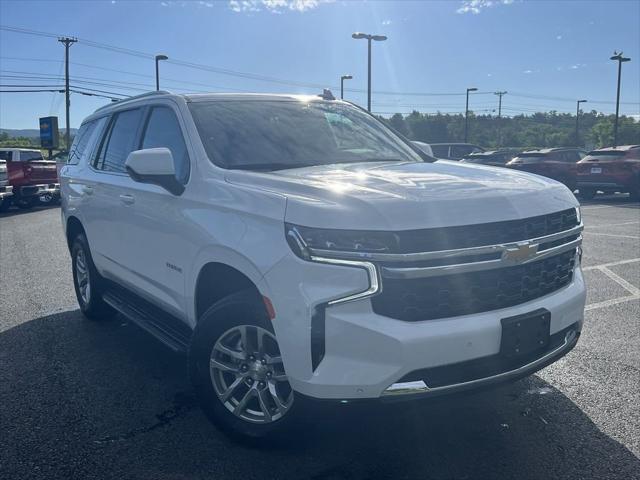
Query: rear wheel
x=5, y=203
x=87, y=282
x=237, y=370
x=26, y=203
x=587, y=193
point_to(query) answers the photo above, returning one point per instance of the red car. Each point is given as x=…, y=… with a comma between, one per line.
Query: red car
x=31, y=177
x=556, y=163
x=610, y=170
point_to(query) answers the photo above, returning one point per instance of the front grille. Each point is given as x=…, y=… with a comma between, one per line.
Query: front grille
x=465, y=293
x=466, y=236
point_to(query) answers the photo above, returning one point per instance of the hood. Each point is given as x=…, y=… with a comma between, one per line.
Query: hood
x=403, y=196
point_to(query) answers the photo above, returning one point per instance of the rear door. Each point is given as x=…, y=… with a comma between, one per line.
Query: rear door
x=109, y=217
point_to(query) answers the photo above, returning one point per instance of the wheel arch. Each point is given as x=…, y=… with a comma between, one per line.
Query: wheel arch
x=73, y=229
x=216, y=280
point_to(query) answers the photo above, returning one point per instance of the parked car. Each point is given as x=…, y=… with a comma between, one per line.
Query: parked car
x=610, y=170
x=494, y=158
x=296, y=249
x=454, y=151
x=556, y=163
x=425, y=147
x=31, y=176
x=6, y=190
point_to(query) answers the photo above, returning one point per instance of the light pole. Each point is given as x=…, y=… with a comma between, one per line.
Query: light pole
x=619, y=58
x=578, y=121
x=158, y=58
x=342, y=79
x=466, y=114
x=369, y=38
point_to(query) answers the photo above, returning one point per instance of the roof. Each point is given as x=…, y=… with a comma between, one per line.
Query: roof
x=548, y=150
x=621, y=148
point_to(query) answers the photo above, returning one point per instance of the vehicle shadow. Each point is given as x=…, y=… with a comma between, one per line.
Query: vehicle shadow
x=15, y=211
x=81, y=399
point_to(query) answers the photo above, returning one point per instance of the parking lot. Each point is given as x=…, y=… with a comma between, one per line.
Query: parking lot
x=104, y=400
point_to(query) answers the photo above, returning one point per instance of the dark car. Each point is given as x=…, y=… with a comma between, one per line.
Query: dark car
x=454, y=151
x=557, y=163
x=610, y=170
x=495, y=158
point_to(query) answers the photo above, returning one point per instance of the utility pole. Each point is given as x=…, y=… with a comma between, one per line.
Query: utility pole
x=620, y=59
x=67, y=42
x=500, y=94
x=342, y=79
x=578, y=121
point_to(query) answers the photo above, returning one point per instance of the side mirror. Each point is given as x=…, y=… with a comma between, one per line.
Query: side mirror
x=155, y=166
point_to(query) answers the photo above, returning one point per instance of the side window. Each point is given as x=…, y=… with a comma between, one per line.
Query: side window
x=440, y=151
x=6, y=155
x=118, y=141
x=80, y=142
x=163, y=130
x=459, y=151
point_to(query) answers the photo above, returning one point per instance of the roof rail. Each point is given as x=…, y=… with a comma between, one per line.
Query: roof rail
x=136, y=97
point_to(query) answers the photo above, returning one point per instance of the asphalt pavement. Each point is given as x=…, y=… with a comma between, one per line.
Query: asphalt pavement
x=86, y=400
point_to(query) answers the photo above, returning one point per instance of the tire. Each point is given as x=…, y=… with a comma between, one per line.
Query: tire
x=218, y=334
x=587, y=193
x=26, y=203
x=5, y=203
x=87, y=282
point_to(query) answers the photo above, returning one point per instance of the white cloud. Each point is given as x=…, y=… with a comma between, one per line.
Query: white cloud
x=386, y=22
x=528, y=71
x=206, y=4
x=559, y=37
x=275, y=6
x=476, y=6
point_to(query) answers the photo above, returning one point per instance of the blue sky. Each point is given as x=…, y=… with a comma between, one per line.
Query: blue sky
x=546, y=54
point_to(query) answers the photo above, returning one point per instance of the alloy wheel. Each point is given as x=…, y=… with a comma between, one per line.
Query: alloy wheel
x=82, y=277
x=248, y=375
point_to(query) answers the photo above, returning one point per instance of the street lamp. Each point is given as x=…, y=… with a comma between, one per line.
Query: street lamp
x=619, y=58
x=578, y=121
x=342, y=79
x=466, y=114
x=158, y=58
x=369, y=38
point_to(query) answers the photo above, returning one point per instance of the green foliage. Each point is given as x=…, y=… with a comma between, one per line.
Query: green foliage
x=551, y=129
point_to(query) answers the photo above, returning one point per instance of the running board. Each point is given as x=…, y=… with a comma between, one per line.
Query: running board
x=170, y=330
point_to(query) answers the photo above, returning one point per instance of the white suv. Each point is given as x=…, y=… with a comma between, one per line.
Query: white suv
x=295, y=247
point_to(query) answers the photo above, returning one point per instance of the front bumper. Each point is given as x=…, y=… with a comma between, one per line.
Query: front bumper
x=364, y=354
x=6, y=191
x=40, y=189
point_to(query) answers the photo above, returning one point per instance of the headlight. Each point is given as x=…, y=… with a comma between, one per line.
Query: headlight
x=578, y=215
x=301, y=239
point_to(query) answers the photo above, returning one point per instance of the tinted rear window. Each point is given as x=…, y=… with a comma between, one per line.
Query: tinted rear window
x=29, y=156
x=610, y=155
x=6, y=155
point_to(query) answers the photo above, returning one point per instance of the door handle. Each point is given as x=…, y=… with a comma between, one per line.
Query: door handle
x=88, y=189
x=127, y=199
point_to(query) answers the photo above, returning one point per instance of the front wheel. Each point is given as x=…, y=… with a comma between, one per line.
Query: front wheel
x=237, y=370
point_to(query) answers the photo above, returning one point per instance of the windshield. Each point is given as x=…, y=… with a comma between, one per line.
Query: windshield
x=273, y=135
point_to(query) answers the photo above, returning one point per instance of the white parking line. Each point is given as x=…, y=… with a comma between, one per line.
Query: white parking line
x=632, y=289
x=613, y=301
x=636, y=222
x=597, y=207
x=611, y=264
x=637, y=237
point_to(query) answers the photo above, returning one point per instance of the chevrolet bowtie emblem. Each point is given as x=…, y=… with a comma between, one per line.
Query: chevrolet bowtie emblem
x=520, y=253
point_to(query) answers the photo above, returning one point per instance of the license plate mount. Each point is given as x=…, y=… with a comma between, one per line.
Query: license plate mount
x=525, y=334
x=596, y=169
